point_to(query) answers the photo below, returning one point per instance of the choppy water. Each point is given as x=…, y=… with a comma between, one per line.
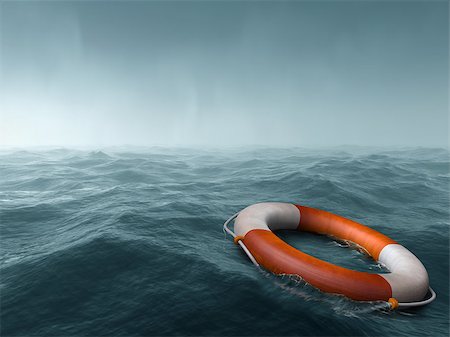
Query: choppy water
x=130, y=242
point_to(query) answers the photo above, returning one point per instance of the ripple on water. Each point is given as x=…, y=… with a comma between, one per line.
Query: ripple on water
x=118, y=242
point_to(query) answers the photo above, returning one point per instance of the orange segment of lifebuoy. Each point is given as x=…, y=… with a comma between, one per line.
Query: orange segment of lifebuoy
x=280, y=258
x=322, y=222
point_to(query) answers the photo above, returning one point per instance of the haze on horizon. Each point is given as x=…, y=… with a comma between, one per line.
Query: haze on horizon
x=77, y=73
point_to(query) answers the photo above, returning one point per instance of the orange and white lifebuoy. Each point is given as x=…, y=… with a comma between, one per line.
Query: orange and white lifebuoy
x=406, y=282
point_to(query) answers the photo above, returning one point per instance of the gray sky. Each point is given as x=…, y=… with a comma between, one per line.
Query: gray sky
x=79, y=73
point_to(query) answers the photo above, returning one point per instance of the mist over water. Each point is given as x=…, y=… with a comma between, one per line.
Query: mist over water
x=217, y=73
x=130, y=242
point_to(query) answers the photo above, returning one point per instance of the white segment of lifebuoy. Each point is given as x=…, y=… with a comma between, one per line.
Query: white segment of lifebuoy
x=270, y=216
x=408, y=277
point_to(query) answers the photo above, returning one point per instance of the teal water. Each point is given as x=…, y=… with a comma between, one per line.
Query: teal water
x=129, y=242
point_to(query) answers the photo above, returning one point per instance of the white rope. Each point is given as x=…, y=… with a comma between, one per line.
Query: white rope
x=400, y=305
x=420, y=303
x=229, y=231
x=225, y=225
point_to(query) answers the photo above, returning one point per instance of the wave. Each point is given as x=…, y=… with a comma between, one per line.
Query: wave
x=130, y=242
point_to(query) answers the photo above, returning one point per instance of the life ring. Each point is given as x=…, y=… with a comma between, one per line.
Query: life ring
x=406, y=282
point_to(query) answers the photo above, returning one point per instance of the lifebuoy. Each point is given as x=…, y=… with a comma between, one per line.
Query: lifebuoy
x=406, y=282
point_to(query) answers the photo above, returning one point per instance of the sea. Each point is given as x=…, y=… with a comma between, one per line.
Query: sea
x=128, y=241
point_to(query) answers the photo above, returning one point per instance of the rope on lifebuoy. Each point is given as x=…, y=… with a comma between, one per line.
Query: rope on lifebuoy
x=238, y=239
x=406, y=305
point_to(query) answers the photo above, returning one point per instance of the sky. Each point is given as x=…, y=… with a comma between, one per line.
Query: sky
x=216, y=73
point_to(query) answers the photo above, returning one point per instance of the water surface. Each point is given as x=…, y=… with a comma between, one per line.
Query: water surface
x=130, y=241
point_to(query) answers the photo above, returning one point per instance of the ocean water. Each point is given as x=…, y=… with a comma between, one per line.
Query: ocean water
x=129, y=241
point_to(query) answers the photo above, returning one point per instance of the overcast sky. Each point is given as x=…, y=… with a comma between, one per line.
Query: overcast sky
x=300, y=73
